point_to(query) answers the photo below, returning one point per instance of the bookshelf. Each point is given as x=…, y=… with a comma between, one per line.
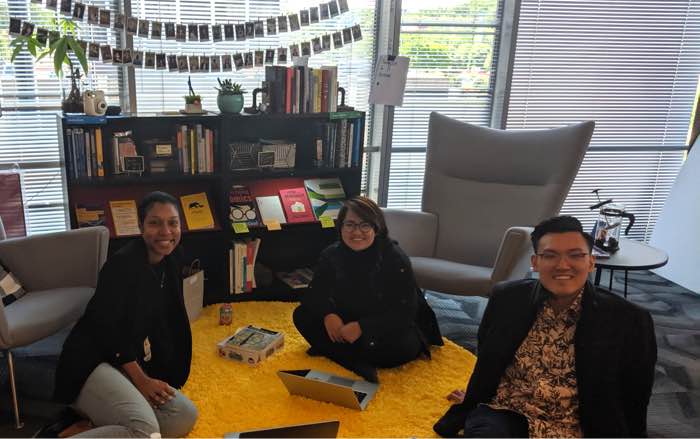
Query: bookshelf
x=296, y=245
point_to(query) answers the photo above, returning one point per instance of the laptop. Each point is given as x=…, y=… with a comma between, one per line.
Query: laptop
x=322, y=386
x=325, y=429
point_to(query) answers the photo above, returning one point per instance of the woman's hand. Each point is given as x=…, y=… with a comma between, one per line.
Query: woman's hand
x=457, y=396
x=333, y=324
x=155, y=391
x=351, y=332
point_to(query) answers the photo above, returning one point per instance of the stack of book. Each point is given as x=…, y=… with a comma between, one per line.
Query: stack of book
x=195, y=146
x=85, y=154
x=338, y=143
x=302, y=89
x=242, y=265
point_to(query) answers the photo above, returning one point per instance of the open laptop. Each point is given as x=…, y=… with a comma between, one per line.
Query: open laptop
x=354, y=394
x=325, y=429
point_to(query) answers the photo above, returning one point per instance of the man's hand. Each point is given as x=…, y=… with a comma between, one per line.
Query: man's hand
x=333, y=324
x=457, y=396
x=351, y=332
x=155, y=391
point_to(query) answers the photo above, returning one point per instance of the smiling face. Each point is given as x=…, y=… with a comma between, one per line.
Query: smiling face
x=161, y=230
x=563, y=261
x=355, y=232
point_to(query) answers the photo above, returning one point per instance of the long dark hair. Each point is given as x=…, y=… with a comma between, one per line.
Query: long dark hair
x=368, y=211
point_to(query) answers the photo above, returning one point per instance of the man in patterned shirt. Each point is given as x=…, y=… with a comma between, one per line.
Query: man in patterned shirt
x=558, y=357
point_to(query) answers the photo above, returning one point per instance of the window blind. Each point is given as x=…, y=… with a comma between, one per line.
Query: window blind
x=453, y=50
x=31, y=96
x=630, y=66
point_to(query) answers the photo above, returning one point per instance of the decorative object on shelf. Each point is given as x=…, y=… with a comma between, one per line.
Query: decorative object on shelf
x=244, y=155
x=133, y=164
x=73, y=103
x=94, y=103
x=193, y=102
x=284, y=152
x=230, y=98
x=255, y=108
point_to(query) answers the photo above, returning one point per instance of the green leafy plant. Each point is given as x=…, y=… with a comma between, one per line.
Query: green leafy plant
x=59, y=48
x=229, y=88
x=192, y=97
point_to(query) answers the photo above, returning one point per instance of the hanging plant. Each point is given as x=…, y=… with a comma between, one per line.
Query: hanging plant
x=58, y=49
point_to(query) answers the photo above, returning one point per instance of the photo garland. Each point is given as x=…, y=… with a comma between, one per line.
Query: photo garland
x=197, y=63
x=199, y=32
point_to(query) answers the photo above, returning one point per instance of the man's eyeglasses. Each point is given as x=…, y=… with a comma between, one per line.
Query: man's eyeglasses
x=555, y=258
x=350, y=226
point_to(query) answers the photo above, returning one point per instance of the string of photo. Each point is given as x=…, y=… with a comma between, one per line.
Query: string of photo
x=200, y=32
x=195, y=63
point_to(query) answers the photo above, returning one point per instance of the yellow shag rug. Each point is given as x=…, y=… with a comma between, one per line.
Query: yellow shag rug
x=233, y=396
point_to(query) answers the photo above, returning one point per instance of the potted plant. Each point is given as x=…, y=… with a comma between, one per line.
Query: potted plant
x=230, y=99
x=193, y=102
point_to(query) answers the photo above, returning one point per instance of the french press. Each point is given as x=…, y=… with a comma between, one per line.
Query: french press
x=606, y=231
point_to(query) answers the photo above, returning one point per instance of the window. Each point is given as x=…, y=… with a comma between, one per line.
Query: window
x=31, y=98
x=452, y=50
x=630, y=66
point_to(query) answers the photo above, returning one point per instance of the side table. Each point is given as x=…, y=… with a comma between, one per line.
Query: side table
x=632, y=255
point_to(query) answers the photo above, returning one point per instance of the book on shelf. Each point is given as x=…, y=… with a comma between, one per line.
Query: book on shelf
x=296, y=205
x=295, y=279
x=302, y=89
x=270, y=209
x=84, y=152
x=326, y=196
x=90, y=215
x=242, y=257
x=124, y=217
x=242, y=207
x=197, y=211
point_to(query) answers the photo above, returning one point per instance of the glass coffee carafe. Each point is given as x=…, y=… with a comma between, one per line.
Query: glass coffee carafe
x=608, y=226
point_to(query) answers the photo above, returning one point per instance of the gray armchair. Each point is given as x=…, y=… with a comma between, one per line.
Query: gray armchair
x=480, y=185
x=59, y=272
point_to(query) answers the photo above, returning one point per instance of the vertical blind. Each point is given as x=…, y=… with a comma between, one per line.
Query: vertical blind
x=630, y=66
x=158, y=91
x=452, y=47
x=31, y=96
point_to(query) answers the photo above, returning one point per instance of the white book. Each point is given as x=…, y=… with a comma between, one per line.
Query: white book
x=271, y=209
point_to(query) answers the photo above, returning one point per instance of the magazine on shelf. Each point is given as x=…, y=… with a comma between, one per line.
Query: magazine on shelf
x=299, y=278
x=326, y=196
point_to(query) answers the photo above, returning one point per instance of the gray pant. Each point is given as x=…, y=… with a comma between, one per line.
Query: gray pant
x=118, y=409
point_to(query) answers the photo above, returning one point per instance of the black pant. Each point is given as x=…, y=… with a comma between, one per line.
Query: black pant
x=389, y=351
x=484, y=421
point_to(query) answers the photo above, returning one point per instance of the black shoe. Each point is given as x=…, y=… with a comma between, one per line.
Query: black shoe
x=64, y=420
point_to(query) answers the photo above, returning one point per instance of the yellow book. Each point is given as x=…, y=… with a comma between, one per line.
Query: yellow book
x=197, y=212
x=99, y=153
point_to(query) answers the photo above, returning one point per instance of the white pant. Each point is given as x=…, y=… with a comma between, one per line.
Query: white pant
x=113, y=404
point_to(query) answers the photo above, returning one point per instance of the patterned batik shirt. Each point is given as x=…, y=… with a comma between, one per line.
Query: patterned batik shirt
x=540, y=383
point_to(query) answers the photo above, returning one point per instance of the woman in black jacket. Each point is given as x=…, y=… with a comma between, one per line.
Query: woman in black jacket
x=125, y=358
x=363, y=309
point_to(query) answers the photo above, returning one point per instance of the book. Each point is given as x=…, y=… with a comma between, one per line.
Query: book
x=299, y=278
x=271, y=209
x=296, y=205
x=124, y=217
x=90, y=215
x=326, y=196
x=251, y=344
x=242, y=207
x=197, y=211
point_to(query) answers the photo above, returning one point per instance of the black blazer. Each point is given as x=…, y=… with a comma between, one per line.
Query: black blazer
x=119, y=317
x=615, y=350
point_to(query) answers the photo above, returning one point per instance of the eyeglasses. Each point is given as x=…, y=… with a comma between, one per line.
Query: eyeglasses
x=555, y=258
x=350, y=226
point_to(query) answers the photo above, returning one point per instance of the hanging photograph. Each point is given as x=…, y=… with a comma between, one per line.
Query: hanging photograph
x=93, y=15
x=93, y=51
x=326, y=42
x=347, y=36
x=126, y=56
x=304, y=17
x=172, y=63
x=259, y=58
x=106, y=53
x=294, y=51
x=192, y=33
x=78, y=11
x=337, y=40
x=105, y=16
x=194, y=63
x=156, y=30
x=281, y=55
x=313, y=14
x=226, y=63
x=180, y=32
x=132, y=25
x=238, y=61
x=150, y=60
x=143, y=28
x=294, y=22
x=229, y=34
x=282, y=23
x=333, y=6
x=138, y=59
x=356, y=33
x=240, y=32
x=250, y=29
x=54, y=36
x=66, y=7
x=272, y=26
x=160, y=61
x=305, y=48
x=259, y=29
x=343, y=5
x=269, y=56
x=203, y=32
x=15, y=26
x=117, y=56
x=323, y=11
x=27, y=29
x=248, y=60
x=182, y=64
x=316, y=43
x=216, y=32
x=170, y=32
x=52, y=4
x=119, y=21
x=42, y=36
x=215, y=63
x=83, y=45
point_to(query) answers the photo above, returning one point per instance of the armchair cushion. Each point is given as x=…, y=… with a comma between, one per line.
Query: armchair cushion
x=414, y=231
x=10, y=287
x=451, y=277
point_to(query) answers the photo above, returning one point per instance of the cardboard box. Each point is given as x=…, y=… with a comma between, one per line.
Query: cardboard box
x=251, y=345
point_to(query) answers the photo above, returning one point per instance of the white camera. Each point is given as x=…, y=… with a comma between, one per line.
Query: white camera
x=94, y=103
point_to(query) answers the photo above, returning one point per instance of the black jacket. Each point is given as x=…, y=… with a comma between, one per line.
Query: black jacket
x=374, y=287
x=615, y=353
x=127, y=307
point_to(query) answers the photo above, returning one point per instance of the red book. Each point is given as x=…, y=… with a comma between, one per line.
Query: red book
x=288, y=92
x=296, y=205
